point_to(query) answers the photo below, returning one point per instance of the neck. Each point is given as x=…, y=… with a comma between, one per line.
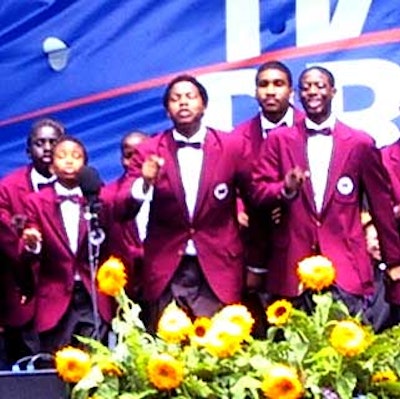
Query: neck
x=274, y=117
x=188, y=130
x=68, y=184
x=44, y=172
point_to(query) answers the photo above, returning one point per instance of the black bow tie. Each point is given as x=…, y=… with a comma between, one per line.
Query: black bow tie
x=183, y=144
x=44, y=185
x=325, y=132
x=283, y=124
x=77, y=199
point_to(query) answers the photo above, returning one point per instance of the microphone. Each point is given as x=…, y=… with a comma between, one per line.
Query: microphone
x=90, y=182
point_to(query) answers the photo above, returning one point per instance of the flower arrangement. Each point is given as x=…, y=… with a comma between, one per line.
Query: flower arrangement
x=327, y=354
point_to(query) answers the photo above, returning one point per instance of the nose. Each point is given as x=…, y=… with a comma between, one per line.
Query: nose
x=47, y=145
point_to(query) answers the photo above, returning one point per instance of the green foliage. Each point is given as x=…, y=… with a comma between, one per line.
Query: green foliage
x=303, y=342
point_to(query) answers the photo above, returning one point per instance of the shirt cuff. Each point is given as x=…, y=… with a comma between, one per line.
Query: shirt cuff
x=35, y=250
x=138, y=190
x=287, y=195
x=256, y=270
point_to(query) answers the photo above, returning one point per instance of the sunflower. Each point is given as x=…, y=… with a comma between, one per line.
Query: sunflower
x=72, y=364
x=384, y=376
x=279, y=312
x=111, y=277
x=108, y=367
x=165, y=372
x=281, y=382
x=239, y=315
x=316, y=272
x=348, y=338
x=199, y=330
x=174, y=325
x=223, y=338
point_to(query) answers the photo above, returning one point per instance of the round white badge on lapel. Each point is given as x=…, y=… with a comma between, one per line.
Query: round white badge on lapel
x=345, y=185
x=221, y=191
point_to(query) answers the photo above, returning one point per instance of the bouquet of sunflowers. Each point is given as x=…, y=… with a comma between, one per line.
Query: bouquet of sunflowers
x=327, y=354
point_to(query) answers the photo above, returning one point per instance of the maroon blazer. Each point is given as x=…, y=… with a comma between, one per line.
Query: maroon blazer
x=391, y=160
x=124, y=242
x=214, y=227
x=251, y=132
x=14, y=188
x=57, y=263
x=355, y=168
x=256, y=236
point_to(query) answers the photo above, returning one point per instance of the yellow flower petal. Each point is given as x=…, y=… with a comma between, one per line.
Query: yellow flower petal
x=281, y=382
x=174, y=325
x=316, y=272
x=349, y=338
x=279, y=312
x=72, y=364
x=111, y=277
x=165, y=372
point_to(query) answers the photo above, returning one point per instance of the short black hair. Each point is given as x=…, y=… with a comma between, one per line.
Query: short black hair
x=274, y=64
x=185, y=78
x=76, y=141
x=137, y=133
x=323, y=70
x=56, y=125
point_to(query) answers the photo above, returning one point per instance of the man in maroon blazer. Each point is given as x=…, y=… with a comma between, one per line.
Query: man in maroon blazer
x=318, y=172
x=274, y=94
x=126, y=236
x=193, y=253
x=14, y=188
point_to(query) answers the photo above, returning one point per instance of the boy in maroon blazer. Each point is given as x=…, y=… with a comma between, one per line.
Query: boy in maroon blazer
x=193, y=253
x=14, y=188
x=126, y=236
x=274, y=94
x=57, y=237
x=318, y=171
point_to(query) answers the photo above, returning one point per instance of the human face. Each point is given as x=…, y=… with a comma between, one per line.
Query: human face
x=316, y=94
x=68, y=160
x=128, y=148
x=273, y=93
x=185, y=107
x=41, y=148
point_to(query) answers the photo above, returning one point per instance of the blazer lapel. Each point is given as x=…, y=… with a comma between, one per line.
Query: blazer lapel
x=210, y=160
x=298, y=154
x=55, y=218
x=168, y=151
x=338, y=159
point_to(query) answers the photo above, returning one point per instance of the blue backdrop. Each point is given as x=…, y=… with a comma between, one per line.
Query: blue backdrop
x=117, y=56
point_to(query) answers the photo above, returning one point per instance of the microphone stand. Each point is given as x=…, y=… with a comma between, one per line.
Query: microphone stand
x=96, y=237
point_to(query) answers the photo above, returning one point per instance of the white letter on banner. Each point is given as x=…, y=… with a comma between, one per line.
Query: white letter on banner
x=242, y=29
x=347, y=21
x=383, y=78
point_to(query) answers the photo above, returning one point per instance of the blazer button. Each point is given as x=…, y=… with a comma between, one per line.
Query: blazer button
x=318, y=223
x=192, y=231
x=180, y=253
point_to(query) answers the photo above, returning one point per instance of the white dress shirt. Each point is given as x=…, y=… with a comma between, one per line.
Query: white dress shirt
x=37, y=178
x=70, y=212
x=190, y=162
x=267, y=125
x=319, y=153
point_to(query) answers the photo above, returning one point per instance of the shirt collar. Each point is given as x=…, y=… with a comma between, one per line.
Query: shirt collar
x=198, y=137
x=287, y=119
x=329, y=123
x=37, y=178
x=61, y=190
